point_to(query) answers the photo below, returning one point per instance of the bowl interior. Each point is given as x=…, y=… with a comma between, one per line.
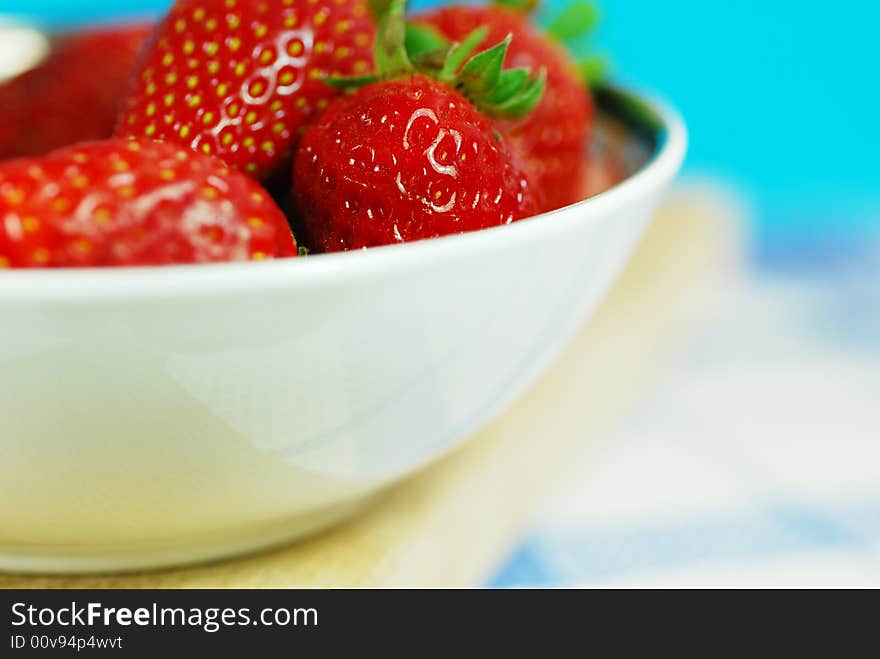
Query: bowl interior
x=628, y=134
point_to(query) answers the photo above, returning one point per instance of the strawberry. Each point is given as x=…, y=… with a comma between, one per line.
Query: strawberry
x=553, y=139
x=122, y=202
x=239, y=79
x=73, y=95
x=408, y=157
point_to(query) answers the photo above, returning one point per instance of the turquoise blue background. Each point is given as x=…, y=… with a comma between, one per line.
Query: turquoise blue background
x=782, y=96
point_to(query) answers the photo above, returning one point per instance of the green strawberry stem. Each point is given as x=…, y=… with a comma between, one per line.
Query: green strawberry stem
x=422, y=40
x=459, y=53
x=378, y=8
x=512, y=93
x=391, y=55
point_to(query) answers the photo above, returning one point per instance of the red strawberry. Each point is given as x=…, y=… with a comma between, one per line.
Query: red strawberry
x=409, y=158
x=240, y=79
x=124, y=202
x=73, y=95
x=553, y=139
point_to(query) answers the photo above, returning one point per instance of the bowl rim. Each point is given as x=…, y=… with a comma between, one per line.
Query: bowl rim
x=177, y=281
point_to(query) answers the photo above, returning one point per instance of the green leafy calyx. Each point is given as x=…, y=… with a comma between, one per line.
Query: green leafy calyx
x=403, y=49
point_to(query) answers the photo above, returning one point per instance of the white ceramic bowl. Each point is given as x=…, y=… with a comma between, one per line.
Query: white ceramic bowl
x=159, y=416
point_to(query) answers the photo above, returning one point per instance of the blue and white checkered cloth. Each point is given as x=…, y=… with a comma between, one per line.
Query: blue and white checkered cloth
x=752, y=460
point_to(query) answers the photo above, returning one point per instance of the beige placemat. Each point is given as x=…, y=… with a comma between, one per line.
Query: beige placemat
x=451, y=524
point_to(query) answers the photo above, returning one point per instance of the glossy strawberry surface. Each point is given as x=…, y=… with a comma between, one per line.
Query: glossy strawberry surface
x=73, y=95
x=404, y=160
x=552, y=139
x=124, y=202
x=240, y=79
